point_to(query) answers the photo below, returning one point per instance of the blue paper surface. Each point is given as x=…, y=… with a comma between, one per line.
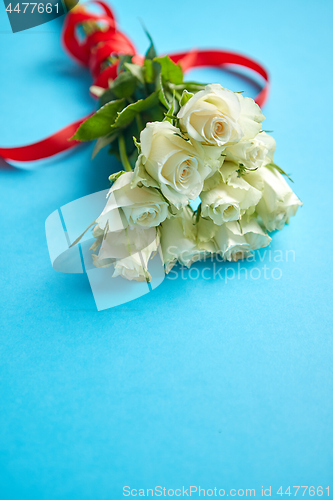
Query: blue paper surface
x=214, y=382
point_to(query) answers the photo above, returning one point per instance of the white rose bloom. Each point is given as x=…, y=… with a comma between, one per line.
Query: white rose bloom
x=278, y=202
x=253, y=153
x=236, y=242
x=128, y=250
x=178, y=240
x=131, y=268
x=217, y=116
x=229, y=201
x=143, y=207
x=211, y=116
x=254, y=234
x=171, y=163
x=135, y=267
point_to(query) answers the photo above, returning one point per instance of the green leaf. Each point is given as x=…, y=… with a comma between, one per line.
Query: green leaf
x=190, y=86
x=161, y=94
x=152, y=71
x=171, y=72
x=124, y=85
x=151, y=52
x=154, y=114
x=102, y=142
x=128, y=114
x=148, y=71
x=99, y=124
x=279, y=169
x=136, y=71
x=186, y=96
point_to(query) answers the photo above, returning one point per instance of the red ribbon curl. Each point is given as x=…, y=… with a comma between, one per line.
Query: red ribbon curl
x=93, y=52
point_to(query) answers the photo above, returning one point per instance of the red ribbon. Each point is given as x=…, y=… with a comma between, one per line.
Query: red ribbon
x=93, y=52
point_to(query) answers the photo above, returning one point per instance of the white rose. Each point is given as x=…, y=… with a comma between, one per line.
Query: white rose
x=211, y=116
x=254, y=234
x=134, y=206
x=178, y=240
x=135, y=267
x=171, y=163
x=236, y=242
x=216, y=116
x=131, y=268
x=129, y=250
x=253, y=153
x=278, y=202
x=229, y=201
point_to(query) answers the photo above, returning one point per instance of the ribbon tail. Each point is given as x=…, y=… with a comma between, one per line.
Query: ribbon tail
x=50, y=146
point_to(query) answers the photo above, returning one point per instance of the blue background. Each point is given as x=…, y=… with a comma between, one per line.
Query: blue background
x=199, y=382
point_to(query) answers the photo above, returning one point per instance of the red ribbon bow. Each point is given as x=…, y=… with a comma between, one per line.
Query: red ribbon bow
x=93, y=52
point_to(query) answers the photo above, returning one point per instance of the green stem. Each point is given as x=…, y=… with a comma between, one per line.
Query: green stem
x=178, y=96
x=139, y=123
x=123, y=154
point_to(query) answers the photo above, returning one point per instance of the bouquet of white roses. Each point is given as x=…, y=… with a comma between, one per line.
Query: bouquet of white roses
x=199, y=175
